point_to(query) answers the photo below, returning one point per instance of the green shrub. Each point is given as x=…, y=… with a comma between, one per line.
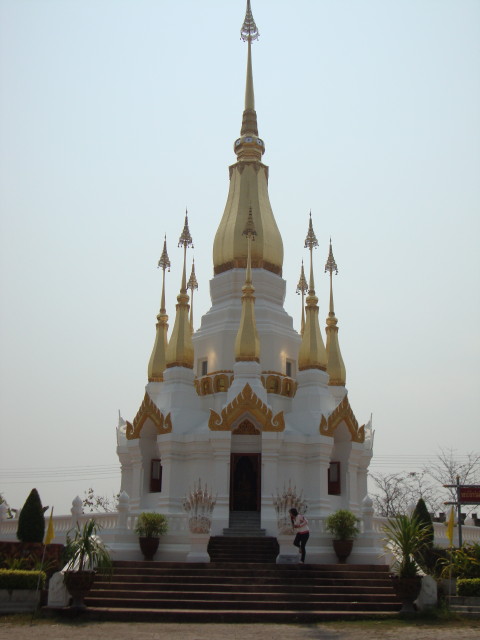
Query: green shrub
x=342, y=524
x=469, y=587
x=21, y=579
x=463, y=562
x=31, y=523
x=151, y=525
x=424, y=557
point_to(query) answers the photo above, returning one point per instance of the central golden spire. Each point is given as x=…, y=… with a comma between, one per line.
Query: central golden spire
x=248, y=187
x=247, y=344
x=180, y=348
x=312, y=354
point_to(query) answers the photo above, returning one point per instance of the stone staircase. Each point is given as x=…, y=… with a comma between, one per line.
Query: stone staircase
x=243, y=549
x=467, y=607
x=241, y=592
x=244, y=523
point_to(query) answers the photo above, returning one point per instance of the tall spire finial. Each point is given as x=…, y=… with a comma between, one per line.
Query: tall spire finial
x=164, y=263
x=249, y=29
x=180, y=349
x=331, y=266
x=185, y=241
x=157, y=362
x=249, y=147
x=311, y=242
x=302, y=287
x=335, y=365
x=192, y=284
x=312, y=353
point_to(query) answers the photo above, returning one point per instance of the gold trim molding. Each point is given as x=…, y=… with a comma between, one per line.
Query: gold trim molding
x=343, y=413
x=148, y=409
x=216, y=382
x=246, y=402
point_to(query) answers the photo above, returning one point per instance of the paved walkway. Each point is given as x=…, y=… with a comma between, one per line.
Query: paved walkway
x=46, y=630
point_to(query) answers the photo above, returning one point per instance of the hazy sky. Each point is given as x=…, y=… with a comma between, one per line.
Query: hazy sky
x=117, y=114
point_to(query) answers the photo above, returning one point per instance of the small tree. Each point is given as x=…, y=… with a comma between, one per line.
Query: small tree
x=425, y=557
x=31, y=523
x=94, y=502
x=9, y=511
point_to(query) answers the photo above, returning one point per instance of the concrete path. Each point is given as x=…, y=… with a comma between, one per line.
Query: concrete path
x=46, y=630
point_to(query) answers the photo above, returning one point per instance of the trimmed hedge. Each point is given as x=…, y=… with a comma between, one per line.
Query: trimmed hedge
x=31, y=522
x=468, y=587
x=10, y=579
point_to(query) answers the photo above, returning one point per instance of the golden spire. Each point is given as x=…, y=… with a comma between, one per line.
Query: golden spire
x=335, y=365
x=247, y=344
x=312, y=354
x=302, y=287
x=192, y=284
x=248, y=186
x=156, y=365
x=180, y=348
x=249, y=32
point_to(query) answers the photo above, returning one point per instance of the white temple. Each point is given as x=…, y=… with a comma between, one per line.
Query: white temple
x=246, y=404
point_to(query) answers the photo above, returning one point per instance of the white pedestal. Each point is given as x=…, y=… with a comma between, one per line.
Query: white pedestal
x=288, y=554
x=198, y=547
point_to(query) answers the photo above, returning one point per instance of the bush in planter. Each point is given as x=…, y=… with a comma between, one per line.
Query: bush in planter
x=151, y=525
x=405, y=536
x=468, y=587
x=343, y=525
x=84, y=553
x=31, y=523
x=16, y=579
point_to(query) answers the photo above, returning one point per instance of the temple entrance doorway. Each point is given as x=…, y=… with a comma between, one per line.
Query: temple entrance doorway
x=245, y=481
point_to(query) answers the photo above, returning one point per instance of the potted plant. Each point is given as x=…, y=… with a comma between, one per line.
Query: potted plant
x=405, y=538
x=343, y=525
x=150, y=526
x=84, y=553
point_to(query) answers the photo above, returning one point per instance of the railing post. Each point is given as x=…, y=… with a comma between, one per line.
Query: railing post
x=123, y=510
x=367, y=514
x=3, y=514
x=76, y=511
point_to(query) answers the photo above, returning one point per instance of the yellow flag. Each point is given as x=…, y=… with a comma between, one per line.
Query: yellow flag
x=450, y=526
x=50, y=535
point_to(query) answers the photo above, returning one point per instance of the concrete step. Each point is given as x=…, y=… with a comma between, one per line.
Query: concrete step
x=233, y=616
x=240, y=592
x=252, y=604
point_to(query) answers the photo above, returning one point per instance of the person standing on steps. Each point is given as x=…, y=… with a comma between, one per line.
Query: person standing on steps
x=300, y=526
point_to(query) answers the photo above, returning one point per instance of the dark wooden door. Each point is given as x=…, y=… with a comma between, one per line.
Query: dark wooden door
x=245, y=482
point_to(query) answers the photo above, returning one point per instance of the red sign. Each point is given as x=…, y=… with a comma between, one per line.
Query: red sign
x=469, y=495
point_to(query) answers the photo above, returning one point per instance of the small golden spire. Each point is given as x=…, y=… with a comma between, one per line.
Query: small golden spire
x=311, y=242
x=302, y=287
x=180, y=348
x=247, y=344
x=157, y=362
x=312, y=354
x=335, y=365
x=192, y=285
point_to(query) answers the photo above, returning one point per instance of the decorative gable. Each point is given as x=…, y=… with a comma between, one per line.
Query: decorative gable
x=147, y=410
x=246, y=403
x=342, y=413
